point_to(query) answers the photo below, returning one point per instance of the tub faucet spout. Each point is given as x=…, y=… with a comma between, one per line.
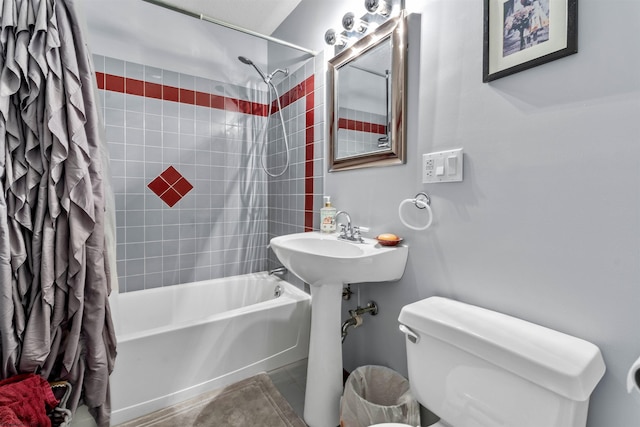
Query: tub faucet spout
x=278, y=271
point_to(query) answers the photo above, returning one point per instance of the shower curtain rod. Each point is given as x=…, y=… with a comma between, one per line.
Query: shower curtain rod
x=228, y=25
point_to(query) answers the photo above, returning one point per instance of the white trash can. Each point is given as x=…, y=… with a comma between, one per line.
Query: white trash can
x=376, y=394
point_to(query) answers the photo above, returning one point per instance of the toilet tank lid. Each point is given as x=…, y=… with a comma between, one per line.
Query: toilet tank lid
x=567, y=365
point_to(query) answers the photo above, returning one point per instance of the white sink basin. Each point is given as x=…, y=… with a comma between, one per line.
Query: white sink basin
x=327, y=264
x=319, y=258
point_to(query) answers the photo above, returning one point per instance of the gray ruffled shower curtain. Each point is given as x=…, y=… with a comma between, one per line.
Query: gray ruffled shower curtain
x=54, y=263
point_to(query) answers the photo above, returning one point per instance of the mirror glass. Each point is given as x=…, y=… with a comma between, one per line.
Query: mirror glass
x=366, y=100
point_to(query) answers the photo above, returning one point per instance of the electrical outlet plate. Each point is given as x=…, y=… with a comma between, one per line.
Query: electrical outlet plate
x=442, y=166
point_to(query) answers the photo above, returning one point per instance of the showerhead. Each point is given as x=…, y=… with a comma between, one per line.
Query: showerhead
x=250, y=62
x=266, y=77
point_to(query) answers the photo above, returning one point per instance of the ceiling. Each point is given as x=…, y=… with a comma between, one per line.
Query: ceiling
x=262, y=16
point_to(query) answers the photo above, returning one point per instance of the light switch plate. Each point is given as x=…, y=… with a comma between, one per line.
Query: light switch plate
x=442, y=166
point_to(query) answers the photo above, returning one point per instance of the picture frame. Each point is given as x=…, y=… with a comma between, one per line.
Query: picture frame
x=521, y=34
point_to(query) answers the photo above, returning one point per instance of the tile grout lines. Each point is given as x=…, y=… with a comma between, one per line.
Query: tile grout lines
x=171, y=188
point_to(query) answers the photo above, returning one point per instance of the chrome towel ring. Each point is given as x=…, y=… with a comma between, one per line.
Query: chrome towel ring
x=421, y=201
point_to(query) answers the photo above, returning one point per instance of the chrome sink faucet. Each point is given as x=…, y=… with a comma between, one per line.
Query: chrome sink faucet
x=344, y=228
x=347, y=231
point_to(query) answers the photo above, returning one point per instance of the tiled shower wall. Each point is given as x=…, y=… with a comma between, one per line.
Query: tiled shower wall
x=192, y=200
x=295, y=198
x=291, y=196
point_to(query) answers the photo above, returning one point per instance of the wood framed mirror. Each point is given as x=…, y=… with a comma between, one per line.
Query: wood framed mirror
x=366, y=88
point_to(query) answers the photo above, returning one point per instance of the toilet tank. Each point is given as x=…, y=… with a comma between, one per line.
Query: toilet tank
x=474, y=367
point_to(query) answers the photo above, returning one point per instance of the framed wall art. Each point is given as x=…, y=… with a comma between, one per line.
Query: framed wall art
x=521, y=34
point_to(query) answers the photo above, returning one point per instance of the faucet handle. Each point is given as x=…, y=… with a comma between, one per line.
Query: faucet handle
x=356, y=232
x=343, y=230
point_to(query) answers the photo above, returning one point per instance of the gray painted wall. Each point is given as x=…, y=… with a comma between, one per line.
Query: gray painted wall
x=546, y=225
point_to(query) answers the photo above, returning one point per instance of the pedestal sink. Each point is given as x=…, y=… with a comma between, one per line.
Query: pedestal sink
x=327, y=264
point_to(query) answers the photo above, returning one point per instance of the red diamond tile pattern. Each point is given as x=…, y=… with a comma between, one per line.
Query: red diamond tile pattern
x=170, y=186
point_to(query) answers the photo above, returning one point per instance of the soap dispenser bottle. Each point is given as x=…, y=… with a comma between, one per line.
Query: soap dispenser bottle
x=327, y=216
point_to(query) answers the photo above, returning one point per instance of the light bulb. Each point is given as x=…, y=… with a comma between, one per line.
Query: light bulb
x=381, y=7
x=332, y=37
x=350, y=22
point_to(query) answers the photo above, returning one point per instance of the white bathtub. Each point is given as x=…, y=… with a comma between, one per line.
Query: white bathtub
x=180, y=341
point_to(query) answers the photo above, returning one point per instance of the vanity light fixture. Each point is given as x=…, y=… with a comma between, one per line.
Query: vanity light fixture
x=377, y=12
x=351, y=23
x=381, y=7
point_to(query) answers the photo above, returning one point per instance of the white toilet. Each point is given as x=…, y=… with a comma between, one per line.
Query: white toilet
x=477, y=368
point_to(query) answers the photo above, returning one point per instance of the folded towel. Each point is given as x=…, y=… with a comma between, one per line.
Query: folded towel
x=25, y=400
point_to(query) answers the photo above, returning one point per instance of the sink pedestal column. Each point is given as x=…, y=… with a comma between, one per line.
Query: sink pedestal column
x=324, y=370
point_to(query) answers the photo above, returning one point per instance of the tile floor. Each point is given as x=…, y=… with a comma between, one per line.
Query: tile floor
x=291, y=381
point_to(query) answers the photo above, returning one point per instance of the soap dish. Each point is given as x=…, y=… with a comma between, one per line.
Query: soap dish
x=389, y=242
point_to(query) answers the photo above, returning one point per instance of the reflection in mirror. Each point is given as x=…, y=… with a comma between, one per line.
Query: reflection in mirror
x=363, y=109
x=366, y=85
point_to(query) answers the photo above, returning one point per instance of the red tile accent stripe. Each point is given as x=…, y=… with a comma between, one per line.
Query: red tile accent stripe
x=203, y=99
x=170, y=93
x=217, y=101
x=136, y=87
x=100, y=80
x=306, y=89
x=114, y=83
x=187, y=96
x=153, y=90
x=361, y=126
